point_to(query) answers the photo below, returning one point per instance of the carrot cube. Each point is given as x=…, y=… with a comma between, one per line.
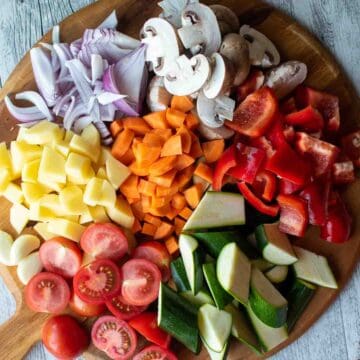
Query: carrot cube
x=213, y=150
x=179, y=224
x=185, y=139
x=185, y=213
x=184, y=177
x=152, y=220
x=162, y=166
x=164, y=180
x=164, y=230
x=115, y=128
x=157, y=120
x=172, y=245
x=153, y=139
x=182, y=103
x=172, y=213
x=138, y=169
x=178, y=201
x=205, y=172
x=137, y=209
x=146, y=155
x=191, y=121
x=148, y=229
x=147, y=188
x=183, y=161
x=196, y=150
x=138, y=125
x=161, y=211
x=172, y=146
x=136, y=226
x=175, y=118
x=193, y=195
x=166, y=191
x=129, y=188
x=159, y=202
x=122, y=143
x=128, y=157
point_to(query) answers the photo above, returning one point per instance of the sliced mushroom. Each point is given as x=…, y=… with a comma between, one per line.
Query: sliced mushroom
x=158, y=98
x=235, y=48
x=163, y=44
x=209, y=133
x=213, y=112
x=286, y=77
x=222, y=76
x=262, y=51
x=227, y=19
x=200, y=30
x=187, y=76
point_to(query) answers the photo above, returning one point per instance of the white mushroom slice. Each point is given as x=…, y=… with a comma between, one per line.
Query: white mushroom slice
x=213, y=112
x=6, y=242
x=215, y=133
x=22, y=247
x=262, y=51
x=158, y=98
x=29, y=267
x=286, y=77
x=200, y=30
x=222, y=77
x=163, y=44
x=187, y=75
x=172, y=10
x=227, y=19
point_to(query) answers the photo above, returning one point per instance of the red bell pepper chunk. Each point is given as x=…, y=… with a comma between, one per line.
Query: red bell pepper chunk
x=293, y=215
x=256, y=202
x=289, y=134
x=288, y=106
x=337, y=228
x=287, y=187
x=265, y=185
x=254, y=82
x=263, y=143
x=276, y=133
x=308, y=119
x=351, y=146
x=224, y=164
x=255, y=114
x=343, y=172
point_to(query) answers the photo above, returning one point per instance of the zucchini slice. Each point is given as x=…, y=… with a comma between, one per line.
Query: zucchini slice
x=262, y=264
x=266, y=301
x=233, y=271
x=216, y=355
x=217, y=209
x=201, y=298
x=277, y=274
x=214, y=326
x=274, y=244
x=179, y=275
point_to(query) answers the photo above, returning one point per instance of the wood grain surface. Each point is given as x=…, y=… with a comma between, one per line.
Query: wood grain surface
x=336, y=335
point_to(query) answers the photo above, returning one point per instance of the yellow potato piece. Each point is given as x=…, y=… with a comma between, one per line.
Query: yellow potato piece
x=42, y=229
x=101, y=174
x=116, y=172
x=52, y=167
x=30, y=171
x=21, y=153
x=52, y=186
x=85, y=217
x=44, y=132
x=71, y=199
x=68, y=136
x=5, y=178
x=98, y=214
x=91, y=150
x=121, y=213
x=99, y=192
x=91, y=135
x=67, y=229
x=19, y=217
x=22, y=131
x=52, y=203
x=105, y=154
x=14, y=194
x=78, y=169
x=33, y=192
x=61, y=147
x=5, y=159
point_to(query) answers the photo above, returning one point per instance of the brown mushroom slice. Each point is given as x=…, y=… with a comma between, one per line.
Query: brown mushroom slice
x=286, y=77
x=209, y=133
x=163, y=44
x=262, y=51
x=235, y=48
x=187, y=76
x=200, y=30
x=158, y=98
x=227, y=19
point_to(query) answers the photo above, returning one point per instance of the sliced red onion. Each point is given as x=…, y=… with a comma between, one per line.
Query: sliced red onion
x=74, y=112
x=107, y=112
x=23, y=114
x=46, y=46
x=111, y=22
x=38, y=101
x=64, y=100
x=75, y=47
x=81, y=123
x=97, y=68
x=104, y=133
x=56, y=34
x=107, y=98
x=63, y=54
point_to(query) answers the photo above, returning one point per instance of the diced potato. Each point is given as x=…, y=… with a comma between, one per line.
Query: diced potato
x=72, y=218
x=68, y=136
x=71, y=199
x=23, y=246
x=22, y=131
x=33, y=192
x=5, y=159
x=85, y=217
x=78, y=169
x=5, y=178
x=30, y=171
x=52, y=186
x=91, y=150
x=67, y=229
x=101, y=174
x=52, y=167
x=19, y=217
x=99, y=192
x=42, y=229
x=61, y=147
x=44, y=132
x=29, y=267
x=21, y=153
x=98, y=214
x=52, y=203
x=121, y=213
x=116, y=172
x=40, y=213
x=105, y=154
x=14, y=194
x=6, y=242
x=92, y=136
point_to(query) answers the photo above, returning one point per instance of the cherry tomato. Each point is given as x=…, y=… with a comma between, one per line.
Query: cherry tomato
x=63, y=336
x=146, y=325
x=141, y=281
x=97, y=281
x=47, y=292
x=155, y=353
x=83, y=308
x=123, y=311
x=157, y=254
x=104, y=241
x=61, y=256
x=115, y=337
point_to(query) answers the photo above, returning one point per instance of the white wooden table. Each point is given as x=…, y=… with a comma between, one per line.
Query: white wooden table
x=336, y=336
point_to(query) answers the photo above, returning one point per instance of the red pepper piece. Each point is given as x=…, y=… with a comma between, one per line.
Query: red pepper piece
x=322, y=153
x=258, y=204
x=265, y=185
x=308, y=119
x=317, y=196
x=276, y=133
x=293, y=215
x=223, y=165
x=343, y=173
x=287, y=187
x=288, y=106
x=254, y=82
x=255, y=114
x=337, y=228
x=289, y=134
x=263, y=143
x=351, y=146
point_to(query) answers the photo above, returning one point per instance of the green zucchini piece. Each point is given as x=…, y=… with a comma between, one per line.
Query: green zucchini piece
x=216, y=355
x=214, y=326
x=178, y=317
x=233, y=271
x=274, y=244
x=201, y=298
x=220, y=296
x=179, y=275
x=217, y=209
x=266, y=301
x=262, y=264
x=277, y=274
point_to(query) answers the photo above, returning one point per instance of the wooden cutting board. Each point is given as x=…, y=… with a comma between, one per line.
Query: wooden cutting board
x=294, y=43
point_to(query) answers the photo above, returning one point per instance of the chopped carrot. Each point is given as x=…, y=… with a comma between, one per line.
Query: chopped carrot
x=138, y=169
x=175, y=118
x=184, y=177
x=165, y=180
x=178, y=201
x=196, y=150
x=172, y=146
x=128, y=157
x=136, y=226
x=204, y=171
x=115, y=128
x=129, y=187
x=157, y=120
x=182, y=103
x=132, y=200
x=162, y=165
x=138, y=125
x=163, y=133
x=185, y=213
x=185, y=139
x=148, y=229
x=152, y=220
x=162, y=211
x=137, y=209
x=179, y=224
x=166, y=191
x=213, y=150
x=122, y=143
x=193, y=195
x=163, y=231
x=147, y=188
x=172, y=213
x=145, y=203
x=146, y=155
x=183, y=161
x=153, y=139
x=172, y=245
x=191, y=121
x=159, y=202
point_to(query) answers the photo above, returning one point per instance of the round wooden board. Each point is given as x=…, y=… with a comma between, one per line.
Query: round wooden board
x=294, y=43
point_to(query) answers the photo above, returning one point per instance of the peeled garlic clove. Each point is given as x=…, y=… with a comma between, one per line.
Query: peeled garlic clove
x=29, y=267
x=6, y=242
x=22, y=247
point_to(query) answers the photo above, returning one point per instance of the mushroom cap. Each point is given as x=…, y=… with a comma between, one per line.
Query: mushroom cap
x=209, y=133
x=158, y=98
x=227, y=19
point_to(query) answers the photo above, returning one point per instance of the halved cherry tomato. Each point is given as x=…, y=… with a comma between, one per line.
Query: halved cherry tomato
x=64, y=337
x=146, y=325
x=155, y=353
x=157, y=254
x=123, y=311
x=104, y=241
x=141, y=281
x=84, y=308
x=61, y=256
x=115, y=337
x=47, y=292
x=97, y=281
